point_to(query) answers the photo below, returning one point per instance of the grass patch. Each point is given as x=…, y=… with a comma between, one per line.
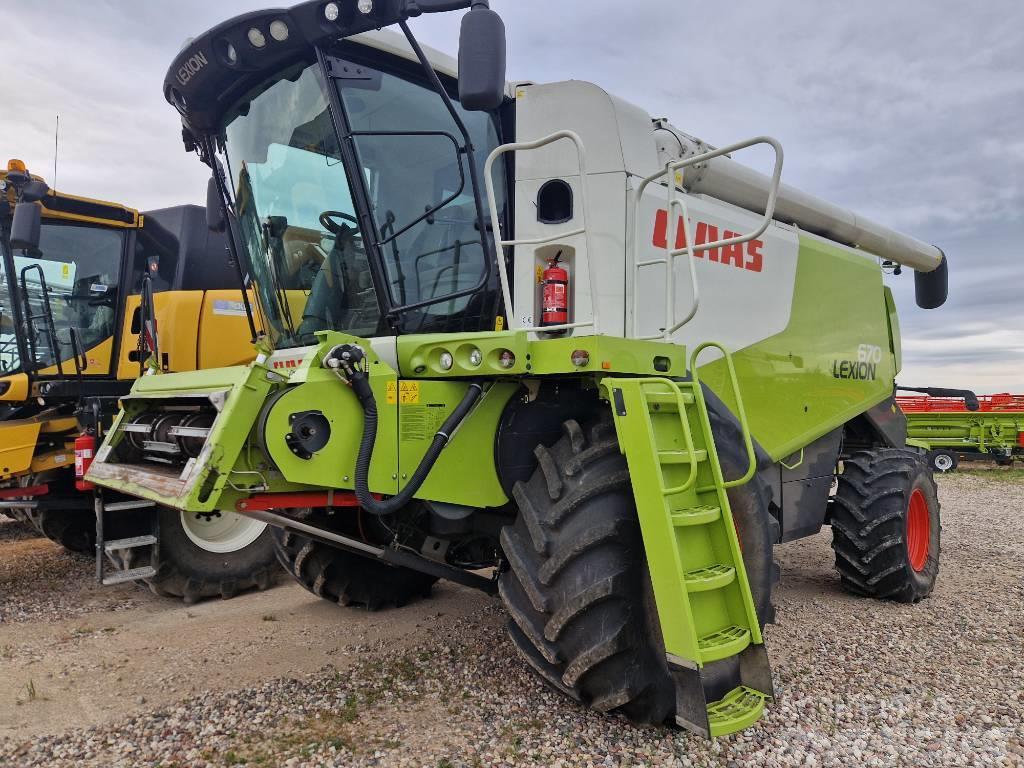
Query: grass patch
x=1005, y=474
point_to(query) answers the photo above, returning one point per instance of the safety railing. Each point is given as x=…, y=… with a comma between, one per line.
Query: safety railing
x=741, y=412
x=690, y=247
x=500, y=243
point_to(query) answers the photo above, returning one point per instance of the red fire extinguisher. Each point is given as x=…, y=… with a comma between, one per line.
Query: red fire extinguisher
x=555, y=296
x=85, y=449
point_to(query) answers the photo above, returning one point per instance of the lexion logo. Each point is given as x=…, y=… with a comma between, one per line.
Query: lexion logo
x=193, y=64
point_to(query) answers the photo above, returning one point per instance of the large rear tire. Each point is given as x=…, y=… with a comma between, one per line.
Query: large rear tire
x=204, y=556
x=886, y=526
x=347, y=578
x=578, y=589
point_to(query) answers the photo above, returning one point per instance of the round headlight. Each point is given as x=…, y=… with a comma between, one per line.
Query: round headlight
x=506, y=358
x=365, y=6
x=446, y=361
x=279, y=30
x=332, y=11
x=256, y=38
x=475, y=358
x=231, y=53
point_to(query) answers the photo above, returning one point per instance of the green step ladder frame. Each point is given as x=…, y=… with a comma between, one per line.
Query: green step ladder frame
x=705, y=606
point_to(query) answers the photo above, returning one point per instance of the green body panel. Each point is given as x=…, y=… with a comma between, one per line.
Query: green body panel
x=984, y=432
x=419, y=355
x=465, y=473
x=895, y=342
x=789, y=380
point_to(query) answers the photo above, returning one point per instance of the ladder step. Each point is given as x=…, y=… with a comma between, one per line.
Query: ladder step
x=129, y=543
x=120, y=506
x=723, y=643
x=119, y=577
x=695, y=515
x=666, y=401
x=681, y=457
x=712, y=577
x=740, y=708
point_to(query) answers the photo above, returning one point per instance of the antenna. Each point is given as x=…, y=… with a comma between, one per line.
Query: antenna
x=56, y=136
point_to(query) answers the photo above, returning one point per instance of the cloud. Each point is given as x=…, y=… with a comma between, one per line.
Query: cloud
x=906, y=112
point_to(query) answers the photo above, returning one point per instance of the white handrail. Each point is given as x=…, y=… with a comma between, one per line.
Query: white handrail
x=690, y=247
x=513, y=318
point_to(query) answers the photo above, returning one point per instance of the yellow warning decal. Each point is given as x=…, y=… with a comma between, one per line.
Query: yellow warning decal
x=409, y=392
x=499, y=323
x=392, y=393
x=540, y=274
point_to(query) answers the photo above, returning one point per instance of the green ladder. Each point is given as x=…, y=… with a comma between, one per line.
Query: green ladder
x=708, y=620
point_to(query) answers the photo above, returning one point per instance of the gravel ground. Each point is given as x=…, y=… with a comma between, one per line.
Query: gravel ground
x=40, y=581
x=857, y=682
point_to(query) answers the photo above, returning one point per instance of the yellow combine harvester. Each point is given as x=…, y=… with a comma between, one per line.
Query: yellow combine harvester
x=85, y=285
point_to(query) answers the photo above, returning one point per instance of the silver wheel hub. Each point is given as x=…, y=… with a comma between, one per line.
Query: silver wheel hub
x=943, y=462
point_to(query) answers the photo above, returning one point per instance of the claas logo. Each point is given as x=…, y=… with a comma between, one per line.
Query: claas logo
x=289, y=363
x=748, y=256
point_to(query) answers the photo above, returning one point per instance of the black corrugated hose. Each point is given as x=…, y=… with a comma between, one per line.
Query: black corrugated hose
x=360, y=383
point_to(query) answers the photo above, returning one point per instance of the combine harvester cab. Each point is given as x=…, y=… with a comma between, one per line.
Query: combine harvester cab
x=85, y=286
x=528, y=328
x=950, y=426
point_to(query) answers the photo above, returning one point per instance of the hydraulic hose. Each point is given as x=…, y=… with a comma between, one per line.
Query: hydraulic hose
x=348, y=361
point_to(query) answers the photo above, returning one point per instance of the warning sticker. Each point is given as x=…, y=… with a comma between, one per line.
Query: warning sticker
x=391, y=393
x=408, y=392
x=421, y=422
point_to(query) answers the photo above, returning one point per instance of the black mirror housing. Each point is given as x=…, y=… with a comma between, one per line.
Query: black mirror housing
x=214, y=207
x=25, y=226
x=482, y=60
x=932, y=288
x=34, y=191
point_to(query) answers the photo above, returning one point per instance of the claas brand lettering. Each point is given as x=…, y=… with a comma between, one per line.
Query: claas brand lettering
x=92, y=296
x=550, y=347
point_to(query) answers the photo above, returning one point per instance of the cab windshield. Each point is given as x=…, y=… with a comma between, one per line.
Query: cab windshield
x=310, y=263
x=67, y=287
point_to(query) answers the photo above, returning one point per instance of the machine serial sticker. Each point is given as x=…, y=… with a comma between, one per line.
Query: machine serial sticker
x=228, y=308
x=408, y=392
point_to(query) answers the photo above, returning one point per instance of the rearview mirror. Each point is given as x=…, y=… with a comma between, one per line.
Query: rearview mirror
x=214, y=207
x=25, y=226
x=482, y=60
x=34, y=191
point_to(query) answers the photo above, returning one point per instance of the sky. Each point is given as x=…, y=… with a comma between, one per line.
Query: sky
x=910, y=113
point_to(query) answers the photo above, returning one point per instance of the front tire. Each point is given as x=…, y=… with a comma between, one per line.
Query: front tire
x=886, y=525
x=204, y=556
x=578, y=589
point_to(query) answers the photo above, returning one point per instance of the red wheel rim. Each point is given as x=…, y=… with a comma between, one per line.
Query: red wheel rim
x=919, y=529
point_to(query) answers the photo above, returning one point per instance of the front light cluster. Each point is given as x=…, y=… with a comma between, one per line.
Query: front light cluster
x=277, y=30
x=468, y=357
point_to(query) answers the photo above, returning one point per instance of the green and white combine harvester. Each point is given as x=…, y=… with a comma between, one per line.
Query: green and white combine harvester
x=483, y=351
